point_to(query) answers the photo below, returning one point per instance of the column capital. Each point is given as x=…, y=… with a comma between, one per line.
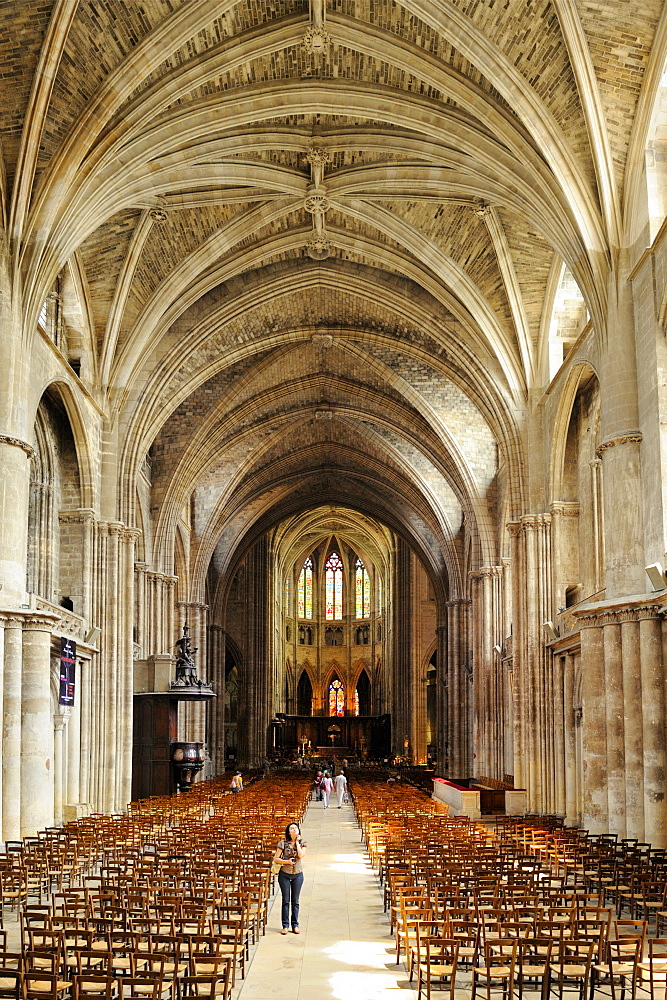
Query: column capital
x=530, y=522
x=81, y=515
x=565, y=508
x=40, y=621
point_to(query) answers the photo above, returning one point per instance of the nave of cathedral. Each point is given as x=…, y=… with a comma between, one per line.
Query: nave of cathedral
x=331, y=417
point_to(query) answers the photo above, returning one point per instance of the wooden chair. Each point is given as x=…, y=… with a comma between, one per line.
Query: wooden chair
x=621, y=967
x=12, y=986
x=653, y=971
x=497, y=969
x=437, y=965
x=532, y=965
x=44, y=986
x=570, y=967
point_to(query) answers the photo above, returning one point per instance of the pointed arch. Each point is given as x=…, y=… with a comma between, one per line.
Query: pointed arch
x=363, y=693
x=304, y=694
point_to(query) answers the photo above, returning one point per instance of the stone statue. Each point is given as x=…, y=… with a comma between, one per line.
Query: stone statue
x=186, y=671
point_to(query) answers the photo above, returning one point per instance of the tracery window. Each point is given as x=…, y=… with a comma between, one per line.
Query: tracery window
x=334, y=587
x=336, y=697
x=362, y=583
x=305, y=592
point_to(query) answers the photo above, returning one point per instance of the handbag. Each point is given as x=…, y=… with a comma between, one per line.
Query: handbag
x=276, y=866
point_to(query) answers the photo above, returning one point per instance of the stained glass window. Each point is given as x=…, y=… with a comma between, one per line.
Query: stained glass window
x=336, y=697
x=287, y=588
x=379, y=593
x=305, y=596
x=356, y=702
x=362, y=595
x=334, y=587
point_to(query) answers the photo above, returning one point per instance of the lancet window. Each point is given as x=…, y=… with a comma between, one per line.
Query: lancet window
x=362, y=595
x=305, y=592
x=336, y=697
x=333, y=587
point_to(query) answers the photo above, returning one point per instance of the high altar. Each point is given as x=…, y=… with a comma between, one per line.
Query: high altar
x=363, y=736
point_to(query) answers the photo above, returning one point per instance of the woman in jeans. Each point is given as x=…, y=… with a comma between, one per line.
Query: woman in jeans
x=289, y=854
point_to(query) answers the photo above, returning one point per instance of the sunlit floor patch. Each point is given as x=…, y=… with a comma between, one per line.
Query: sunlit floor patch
x=366, y=986
x=371, y=954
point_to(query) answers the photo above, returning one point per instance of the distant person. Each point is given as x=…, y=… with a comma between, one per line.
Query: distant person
x=266, y=766
x=237, y=783
x=326, y=786
x=318, y=785
x=340, y=783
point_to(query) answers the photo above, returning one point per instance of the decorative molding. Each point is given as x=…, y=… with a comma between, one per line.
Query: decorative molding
x=319, y=248
x=157, y=215
x=317, y=200
x=533, y=521
x=608, y=616
x=82, y=515
x=634, y=438
x=315, y=39
x=17, y=443
x=565, y=508
x=322, y=340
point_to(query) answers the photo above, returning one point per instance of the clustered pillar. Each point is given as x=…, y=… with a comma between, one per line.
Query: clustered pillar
x=624, y=719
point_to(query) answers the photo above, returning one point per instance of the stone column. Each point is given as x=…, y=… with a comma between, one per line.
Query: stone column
x=15, y=455
x=59, y=778
x=571, y=814
x=254, y=709
x=112, y=674
x=518, y=654
x=11, y=729
x=458, y=655
x=596, y=804
x=126, y=700
x=443, y=714
x=623, y=522
x=559, y=709
x=402, y=686
x=613, y=692
x=86, y=723
x=532, y=604
x=489, y=682
x=633, y=732
x=73, y=788
x=36, y=726
x=216, y=671
x=653, y=706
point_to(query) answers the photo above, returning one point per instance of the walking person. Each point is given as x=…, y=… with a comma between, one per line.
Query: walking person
x=326, y=786
x=289, y=854
x=318, y=786
x=340, y=783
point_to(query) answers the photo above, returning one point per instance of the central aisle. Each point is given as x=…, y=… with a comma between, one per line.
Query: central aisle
x=344, y=951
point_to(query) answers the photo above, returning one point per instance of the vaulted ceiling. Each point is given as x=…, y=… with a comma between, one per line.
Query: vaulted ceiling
x=317, y=245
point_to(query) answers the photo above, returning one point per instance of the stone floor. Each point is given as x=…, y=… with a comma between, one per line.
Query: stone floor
x=344, y=951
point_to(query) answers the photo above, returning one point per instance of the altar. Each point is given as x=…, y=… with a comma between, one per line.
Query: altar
x=364, y=736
